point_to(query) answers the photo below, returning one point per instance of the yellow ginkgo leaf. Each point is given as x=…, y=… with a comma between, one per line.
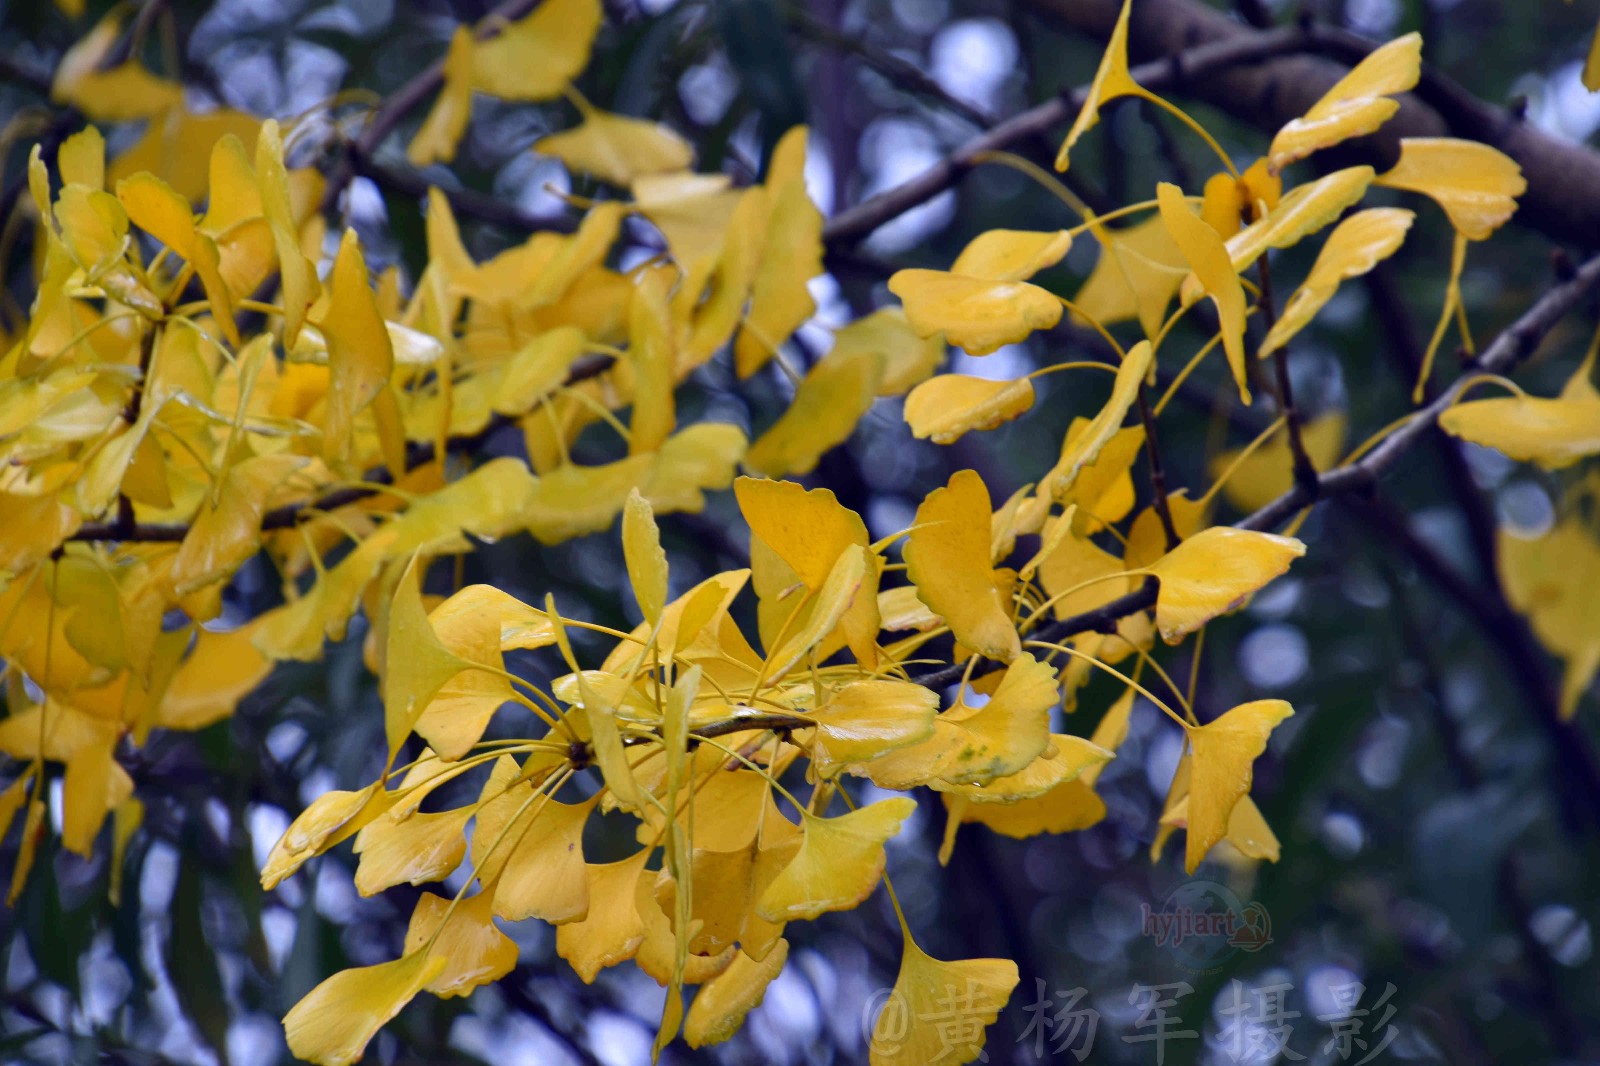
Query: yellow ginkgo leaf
x=529, y=851
x=460, y=710
x=1208, y=257
x=436, y=139
x=865, y=719
x=1303, y=212
x=839, y=862
x=809, y=529
x=947, y=407
x=1225, y=751
x=1476, y=185
x=1136, y=276
x=646, y=562
x=1066, y=808
x=535, y=57
x=947, y=559
x=1268, y=472
x=295, y=274
x=940, y=1011
x=155, y=207
x=222, y=668
x=906, y=359
x=416, y=664
x=1355, y=246
x=416, y=849
x=984, y=300
x=1011, y=255
x=332, y=1025
x=720, y=1007
x=612, y=930
x=1111, y=81
x=465, y=935
x=93, y=786
x=1554, y=433
x=360, y=353
x=333, y=816
x=1591, y=63
x=1083, y=449
x=1067, y=758
x=225, y=535
x=1215, y=571
x=1358, y=104
x=977, y=744
x=617, y=148
x=1548, y=579
x=790, y=256
x=975, y=314
x=827, y=406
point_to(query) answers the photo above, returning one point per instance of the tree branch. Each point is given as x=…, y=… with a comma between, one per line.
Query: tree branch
x=1188, y=64
x=1515, y=343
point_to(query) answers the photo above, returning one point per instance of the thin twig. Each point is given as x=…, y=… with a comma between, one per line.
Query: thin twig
x=1305, y=471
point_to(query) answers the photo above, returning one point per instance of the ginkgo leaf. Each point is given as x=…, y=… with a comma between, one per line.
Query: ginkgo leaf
x=976, y=314
x=1268, y=472
x=1084, y=448
x=1355, y=246
x=535, y=57
x=415, y=849
x=1066, y=808
x=983, y=301
x=155, y=207
x=1554, y=432
x=865, y=719
x=977, y=744
x=333, y=816
x=465, y=935
x=839, y=862
x=360, y=353
x=1208, y=257
x=92, y=787
x=416, y=664
x=940, y=1011
x=225, y=535
x=1066, y=758
x=1358, y=104
x=1136, y=276
x=720, y=1007
x=436, y=139
x=529, y=851
x=1213, y=572
x=947, y=407
x=1111, y=81
x=1225, y=750
x=947, y=559
x=295, y=274
x=827, y=406
x=809, y=529
x=646, y=562
x=612, y=930
x=1011, y=255
x=1476, y=185
x=617, y=148
x=335, y=1021
x=1307, y=209
x=790, y=256
x=1548, y=578
x=886, y=338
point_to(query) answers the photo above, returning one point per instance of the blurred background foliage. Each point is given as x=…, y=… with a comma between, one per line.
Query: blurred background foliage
x=1438, y=832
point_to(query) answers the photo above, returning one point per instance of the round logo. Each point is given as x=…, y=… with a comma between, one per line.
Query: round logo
x=1203, y=923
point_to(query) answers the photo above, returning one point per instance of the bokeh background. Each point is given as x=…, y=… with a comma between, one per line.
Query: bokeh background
x=1439, y=830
